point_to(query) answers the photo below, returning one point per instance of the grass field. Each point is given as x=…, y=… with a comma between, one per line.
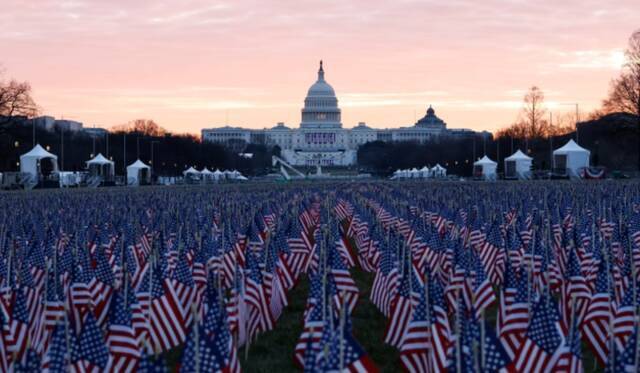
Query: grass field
x=272, y=352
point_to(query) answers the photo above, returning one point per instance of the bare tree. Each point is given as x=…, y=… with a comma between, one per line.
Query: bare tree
x=147, y=127
x=15, y=99
x=534, y=114
x=532, y=123
x=563, y=124
x=624, y=94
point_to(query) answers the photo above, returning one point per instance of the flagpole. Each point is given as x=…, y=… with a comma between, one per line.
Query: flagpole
x=147, y=340
x=341, y=331
x=428, y=311
x=482, y=341
x=196, y=335
x=458, y=336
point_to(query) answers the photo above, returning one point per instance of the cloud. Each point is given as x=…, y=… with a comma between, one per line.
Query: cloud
x=593, y=59
x=187, y=56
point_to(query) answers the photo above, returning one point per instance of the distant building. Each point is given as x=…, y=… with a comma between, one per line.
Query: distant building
x=321, y=140
x=68, y=125
x=45, y=122
x=95, y=132
x=226, y=134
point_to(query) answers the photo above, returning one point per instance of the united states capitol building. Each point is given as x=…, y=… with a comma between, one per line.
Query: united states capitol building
x=321, y=139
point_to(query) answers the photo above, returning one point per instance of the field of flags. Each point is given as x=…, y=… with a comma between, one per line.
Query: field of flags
x=522, y=276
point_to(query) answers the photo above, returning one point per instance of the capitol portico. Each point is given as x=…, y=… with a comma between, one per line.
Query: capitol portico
x=321, y=140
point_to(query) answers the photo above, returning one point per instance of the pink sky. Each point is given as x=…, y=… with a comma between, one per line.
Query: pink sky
x=193, y=64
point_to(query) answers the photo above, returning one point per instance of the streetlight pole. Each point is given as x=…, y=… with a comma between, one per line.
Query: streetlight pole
x=484, y=143
x=62, y=148
x=577, y=116
x=152, y=160
x=124, y=156
x=93, y=151
x=577, y=120
x=474, y=148
x=551, y=142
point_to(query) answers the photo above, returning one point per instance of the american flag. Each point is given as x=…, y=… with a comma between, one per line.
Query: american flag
x=385, y=281
x=417, y=341
x=153, y=364
x=184, y=286
x=101, y=287
x=482, y=291
x=347, y=291
x=401, y=308
x=310, y=337
x=90, y=353
x=343, y=354
x=513, y=311
x=29, y=363
x=542, y=346
x=166, y=323
x=625, y=360
x=596, y=324
x=260, y=317
x=4, y=364
x=210, y=347
x=58, y=355
x=495, y=356
x=571, y=358
x=624, y=319
x=121, y=338
x=16, y=330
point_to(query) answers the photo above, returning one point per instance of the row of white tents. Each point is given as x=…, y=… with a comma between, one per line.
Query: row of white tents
x=568, y=160
x=193, y=175
x=39, y=161
x=435, y=172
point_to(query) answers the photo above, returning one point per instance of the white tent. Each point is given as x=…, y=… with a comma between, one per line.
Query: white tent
x=414, y=173
x=207, y=176
x=191, y=171
x=235, y=174
x=138, y=173
x=242, y=178
x=424, y=172
x=569, y=159
x=38, y=161
x=396, y=174
x=217, y=174
x=438, y=171
x=191, y=175
x=517, y=166
x=485, y=168
x=101, y=166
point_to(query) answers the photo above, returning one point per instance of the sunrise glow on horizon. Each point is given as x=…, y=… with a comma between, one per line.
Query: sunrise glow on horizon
x=199, y=64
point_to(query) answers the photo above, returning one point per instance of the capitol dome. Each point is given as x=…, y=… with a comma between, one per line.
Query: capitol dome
x=321, y=87
x=321, y=105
